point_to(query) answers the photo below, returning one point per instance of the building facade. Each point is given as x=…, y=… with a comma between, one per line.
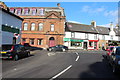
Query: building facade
x=42, y=26
x=9, y=27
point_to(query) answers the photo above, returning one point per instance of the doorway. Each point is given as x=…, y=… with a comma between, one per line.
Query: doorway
x=51, y=41
x=85, y=45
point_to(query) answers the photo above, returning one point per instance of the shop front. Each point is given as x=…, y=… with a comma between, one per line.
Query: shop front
x=93, y=45
x=73, y=43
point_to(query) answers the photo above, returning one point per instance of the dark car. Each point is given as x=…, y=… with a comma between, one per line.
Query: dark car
x=58, y=48
x=109, y=51
x=31, y=48
x=115, y=60
x=17, y=51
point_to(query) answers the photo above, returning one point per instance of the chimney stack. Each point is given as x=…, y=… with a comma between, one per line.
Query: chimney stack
x=58, y=4
x=93, y=23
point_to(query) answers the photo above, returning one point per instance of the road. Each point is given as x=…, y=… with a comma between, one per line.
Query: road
x=74, y=64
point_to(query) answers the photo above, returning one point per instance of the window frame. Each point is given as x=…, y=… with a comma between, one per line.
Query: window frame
x=25, y=26
x=52, y=27
x=32, y=26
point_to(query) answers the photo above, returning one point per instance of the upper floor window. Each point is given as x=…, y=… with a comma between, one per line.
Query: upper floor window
x=111, y=37
x=40, y=26
x=52, y=27
x=103, y=37
x=95, y=36
x=12, y=10
x=26, y=11
x=25, y=26
x=33, y=11
x=72, y=34
x=18, y=11
x=86, y=36
x=33, y=26
x=41, y=11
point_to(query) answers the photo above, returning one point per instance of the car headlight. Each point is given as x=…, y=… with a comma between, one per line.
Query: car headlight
x=119, y=62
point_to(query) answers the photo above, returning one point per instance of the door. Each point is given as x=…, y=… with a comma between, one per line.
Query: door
x=85, y=45
x=51, y=42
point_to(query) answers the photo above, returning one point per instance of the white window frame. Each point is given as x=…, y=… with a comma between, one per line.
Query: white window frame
x=25, y=26
x=52, y=26
x=32, y=26
x=40, y=26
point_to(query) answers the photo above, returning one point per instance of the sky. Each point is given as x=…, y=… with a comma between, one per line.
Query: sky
x=83, y=12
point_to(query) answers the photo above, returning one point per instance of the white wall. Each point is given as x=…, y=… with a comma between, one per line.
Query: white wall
x=10, y=20
x=79, y=35
x=67, y=34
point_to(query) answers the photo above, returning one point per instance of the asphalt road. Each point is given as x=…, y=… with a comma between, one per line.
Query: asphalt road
x=73, y=64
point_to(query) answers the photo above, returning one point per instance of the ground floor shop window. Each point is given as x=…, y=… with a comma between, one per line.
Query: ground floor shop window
x=91, y=44
x=40, y=41
x=24, y=40
x=31, y=41
x=76, y=44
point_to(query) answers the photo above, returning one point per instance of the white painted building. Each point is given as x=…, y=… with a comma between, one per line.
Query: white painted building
x=9, y=28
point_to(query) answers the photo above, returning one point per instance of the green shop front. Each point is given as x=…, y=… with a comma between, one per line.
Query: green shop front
x=73, y=43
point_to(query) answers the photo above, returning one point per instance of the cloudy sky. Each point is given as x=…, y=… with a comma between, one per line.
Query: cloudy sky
x=83, y=12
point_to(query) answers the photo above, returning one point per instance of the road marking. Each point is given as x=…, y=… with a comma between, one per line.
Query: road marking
x=77, y=53
x=61, y=72
x=77, y=57
x=51, y=54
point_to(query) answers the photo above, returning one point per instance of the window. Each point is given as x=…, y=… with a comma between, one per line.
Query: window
x=72, y=34
x=25, y=26
x=40, y=41
x=40, y=26
x=24, y=40
x=52, y=27
x=76, y=44
x=31, y=41
x=91, y=44
x=12, y=10
x=111, y=37
x=41, y=11
x=33, y=26
x=103, y=37
x=26, y=11
x=95, y=36
x=18, y=11
x=86, y=36
x=33, y=11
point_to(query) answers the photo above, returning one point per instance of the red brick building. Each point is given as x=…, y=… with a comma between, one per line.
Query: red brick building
x=42, y=26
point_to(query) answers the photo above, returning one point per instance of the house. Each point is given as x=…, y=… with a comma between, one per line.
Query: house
x=80, y=36
x=42, y=26
x=9, y=27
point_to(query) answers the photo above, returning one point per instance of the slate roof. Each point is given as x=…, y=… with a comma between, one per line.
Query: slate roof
x=117, y=31
x=75, y=27
x=103, y=30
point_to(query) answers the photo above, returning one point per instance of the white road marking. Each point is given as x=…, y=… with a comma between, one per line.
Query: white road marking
x=77, y=58
x=51, y=54
x=15, y=69
x=61, y=72
x=77, y=53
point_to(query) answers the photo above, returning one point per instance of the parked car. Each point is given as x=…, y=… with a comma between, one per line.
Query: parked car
x=31, y=48
x=58, y=48
x=109, y=50
x=115, y=60
x=16, y=52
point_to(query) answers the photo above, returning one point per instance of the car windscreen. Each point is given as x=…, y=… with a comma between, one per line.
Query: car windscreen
x=118, y=51
x=6, y=47
x=111, y=48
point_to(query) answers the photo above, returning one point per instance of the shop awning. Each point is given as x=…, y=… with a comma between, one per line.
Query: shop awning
x=74, y=40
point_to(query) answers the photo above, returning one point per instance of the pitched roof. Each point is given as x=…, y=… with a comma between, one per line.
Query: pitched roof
x=80, y=28
x=102, y=30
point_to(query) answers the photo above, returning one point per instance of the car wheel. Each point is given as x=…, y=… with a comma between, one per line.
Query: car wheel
x=28, y=54
x=16, y=58
x=63, y=50
x=50, y=49
x=114, y=69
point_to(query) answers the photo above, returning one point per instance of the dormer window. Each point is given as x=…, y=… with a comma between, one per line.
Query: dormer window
x=12, y=10
x=26, y=11
x=34, y=11
x=18, y=11
x=41, y=11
